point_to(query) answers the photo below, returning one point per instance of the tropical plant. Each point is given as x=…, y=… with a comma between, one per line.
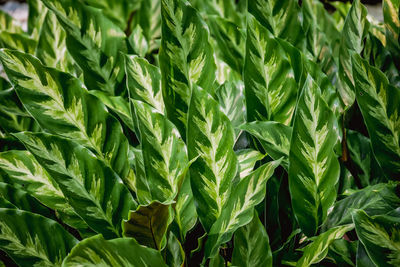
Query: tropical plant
x=186, y=133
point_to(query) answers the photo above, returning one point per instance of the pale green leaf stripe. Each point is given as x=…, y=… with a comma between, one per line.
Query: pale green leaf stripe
x=379, y=105
x=164, y=154
x=95, y=191
x=51, y=48
x=239, y=209
x=7, y=23
x=148, y=17
x=17, y=41
x=318, y=249
x=36, y=14
x=186, y=58
x=314, y=168
x=148, y=225
x=144, y=82
x=380, y=236
x=33, y=240
x=231, y=99
x=247, y=160
x=269, y=78
x=274, y=138
x=22, y=168
x=251, y=245
x=96, y=251
x=138, y=43
x=62, y=105
x=354, y=30
x=211, y=139
x=94, y=42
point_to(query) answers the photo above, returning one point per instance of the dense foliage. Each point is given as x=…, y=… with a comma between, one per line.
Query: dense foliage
x=220, y=132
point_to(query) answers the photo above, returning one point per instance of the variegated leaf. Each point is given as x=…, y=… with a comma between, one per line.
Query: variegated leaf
x=318, y=249
x=37, y=13
x=148, y=225
x=7, y=23
x=379, y=105
x=96, y=251
x=353, y=34
x=247, y=159
x=52, y=49
x=269, y=77
x=33, y=240
x=380, y=236
x=137, y=42
x=231, y=99
x=95, y=191
x=62, y=105
x=164, y=154
x=211, y=139
x=274, y=137
x=17, y=41
x=314, y=168
x=94, y=42
x=239, y=209
x=391, y=10
x=144, y=82
x=186, y=58
x=175, y=254
x=251, y=245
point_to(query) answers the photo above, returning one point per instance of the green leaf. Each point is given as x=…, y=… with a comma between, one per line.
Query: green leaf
x=211, y=140
x=7, y=23
x=36, y=15
x=148, y=18
x=269, y=78
x=230, y=41
x=61, y=105
x=314, y=168
x=247, y=160
x=175, y=255
x=94, y=42
x=380, y=237
x=391, y=11
x=354, y=30
x=186, y=58
x=251, y=245
x=51, y=48
x=94, y=191
x=144, y=82
x=137, y=42
x=32, y=240
x=376, y=199
x=280, y=17
x=318, y=249
x=23, y=169
x=185, y=209
x=378, y=102
x=239, y=209
x=274, y=137
x=96, y=251
x=231, y=99
x=17, y=41
x=15, y=197
x=148, y=225
x=164, y=155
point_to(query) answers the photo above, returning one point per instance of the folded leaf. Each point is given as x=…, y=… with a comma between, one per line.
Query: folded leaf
x=239, y=209
x=96, y=251
x=247, y=160
x=94, y=191
x=318, y=249
x=314, y=168
x=94, y=42
x=269, y=78
x=380, y=237
x=211, y=140
x=251, y=245
x=378, y=102
x=186, y=58
x=274, y=138
x=148, y=225
x=175, y=255
x=61, y=105
x=33, y=240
